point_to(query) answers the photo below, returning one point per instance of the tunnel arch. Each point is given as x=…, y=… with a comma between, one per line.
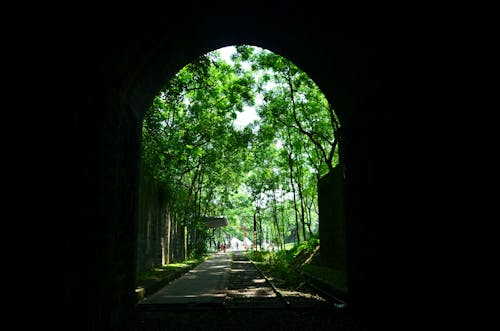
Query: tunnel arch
x=118, y=60
x=333, y=251
x=162, y=62
x=170, y=53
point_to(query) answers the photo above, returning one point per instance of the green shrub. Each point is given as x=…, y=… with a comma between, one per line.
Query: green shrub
x=284, y=265
x=258, y=256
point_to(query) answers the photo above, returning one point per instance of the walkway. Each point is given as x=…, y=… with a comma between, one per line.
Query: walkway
x=206, y=283
x=221, y=294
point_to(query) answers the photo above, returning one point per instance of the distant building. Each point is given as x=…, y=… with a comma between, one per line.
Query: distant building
x=215, y=221
x=236, y=244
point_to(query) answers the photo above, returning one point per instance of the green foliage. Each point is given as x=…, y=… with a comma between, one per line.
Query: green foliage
x=206, y=166
x=160, y=272
x=259, y=256
x=285, y=265
x=307, y=246
x=198, y=251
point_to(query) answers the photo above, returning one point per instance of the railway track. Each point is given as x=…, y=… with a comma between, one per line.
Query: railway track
x=252, y=300
x=249, y=286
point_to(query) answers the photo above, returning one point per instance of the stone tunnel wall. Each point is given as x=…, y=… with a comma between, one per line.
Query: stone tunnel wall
x=98, y=70
x=332, y=224
x=160, y=237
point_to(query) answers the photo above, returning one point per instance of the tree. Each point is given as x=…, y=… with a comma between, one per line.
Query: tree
x=191, y=148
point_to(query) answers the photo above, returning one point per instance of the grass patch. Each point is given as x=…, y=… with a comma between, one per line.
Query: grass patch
x=155, y=278
x=290, y=267
x=258, y=256
x=161, y=272
x=285, y=265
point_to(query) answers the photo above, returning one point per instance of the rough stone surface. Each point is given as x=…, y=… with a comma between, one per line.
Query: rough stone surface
x=83, y=77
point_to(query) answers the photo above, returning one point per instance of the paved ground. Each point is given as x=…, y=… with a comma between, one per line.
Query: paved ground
x=206, y=283
x=196, y=302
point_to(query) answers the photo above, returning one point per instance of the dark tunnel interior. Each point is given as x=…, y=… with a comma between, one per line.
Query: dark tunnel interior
x=89, y=74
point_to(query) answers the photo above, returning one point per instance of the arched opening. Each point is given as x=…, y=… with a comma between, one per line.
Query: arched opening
x=201, y=157
x=360, y=59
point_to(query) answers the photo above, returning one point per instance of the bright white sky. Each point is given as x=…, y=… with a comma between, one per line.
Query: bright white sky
x=248, y=115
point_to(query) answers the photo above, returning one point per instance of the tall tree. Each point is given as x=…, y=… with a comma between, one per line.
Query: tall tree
x=192, y=149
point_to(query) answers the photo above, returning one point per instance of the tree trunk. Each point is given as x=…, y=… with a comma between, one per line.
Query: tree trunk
x=290, y=166
x=301, y=196
x=275, y=219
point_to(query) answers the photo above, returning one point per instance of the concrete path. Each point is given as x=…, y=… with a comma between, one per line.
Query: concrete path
x=206, y=283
